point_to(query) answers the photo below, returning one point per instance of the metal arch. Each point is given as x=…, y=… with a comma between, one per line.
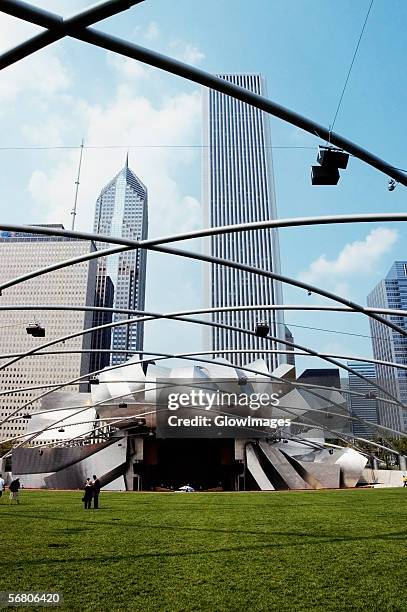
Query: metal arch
x=54, y=425
x=116, y=421
x=341, y=435
x=152, y=245
x=306, y=442
x=186, y=356
x=180, y=316
x=313, y=445
x=207, y=323
x=311, y=307
x=60, y=265
x=302, y=285
x=201, y=77
x=56, y=386
x=202, y=233
x=212, y=324
x=219, y=325
x=61, y=28
x=284, y=279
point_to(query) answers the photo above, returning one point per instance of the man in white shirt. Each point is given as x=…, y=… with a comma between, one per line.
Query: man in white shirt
x=2, y=483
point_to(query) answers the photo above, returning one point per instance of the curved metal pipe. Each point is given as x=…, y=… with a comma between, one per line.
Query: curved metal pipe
x=61, y=27
x=190, y=357
x=152, y=245
x=212, y=324
x=55, y=425
x=201, y=77
x=294, y=384
x=60, y=265
x=391, y=364
x=294, y=307
x=202, y=233
x=340, y=435
x=34, y=435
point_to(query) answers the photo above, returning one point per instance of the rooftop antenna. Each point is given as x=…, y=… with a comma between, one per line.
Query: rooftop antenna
x=73, y=213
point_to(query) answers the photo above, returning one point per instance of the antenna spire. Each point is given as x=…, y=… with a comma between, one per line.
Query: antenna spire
x=73, y=213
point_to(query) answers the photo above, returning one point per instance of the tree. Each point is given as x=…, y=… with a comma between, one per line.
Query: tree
x=5, y=447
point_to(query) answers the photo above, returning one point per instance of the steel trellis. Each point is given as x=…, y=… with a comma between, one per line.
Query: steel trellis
x=53, y=22
x=187, y=356
x=154, y=245
x=207, y=323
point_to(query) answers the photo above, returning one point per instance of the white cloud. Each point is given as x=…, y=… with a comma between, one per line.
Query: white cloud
x=126, y=68
x=186, y=52
x=149, y=33
x=152, y=32
x=42, y=74
x=126, y=120
x=173, y=283
x=158, y=130
x=357, y=258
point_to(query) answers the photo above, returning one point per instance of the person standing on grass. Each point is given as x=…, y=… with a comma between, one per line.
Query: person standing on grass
x=96, y=491
x=14, y=488
x=2, y=483
x=87, y=498
x=404, y=480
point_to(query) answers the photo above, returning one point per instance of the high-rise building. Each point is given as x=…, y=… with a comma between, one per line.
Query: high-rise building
x=289, y=338
x=121, y=211
x=21, y=253
x=388, y=345
x=360, y=405
x=238, y=187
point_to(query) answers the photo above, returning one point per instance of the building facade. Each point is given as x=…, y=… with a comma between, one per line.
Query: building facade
x=388, y=345
x=121, y=211
x=238, y=187
x=289, y=339
x=359, y=406
x=75, y=286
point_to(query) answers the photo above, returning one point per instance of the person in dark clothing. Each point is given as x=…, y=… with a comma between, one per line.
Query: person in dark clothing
x=14, y=488
x=87, y=498
x=96, y=491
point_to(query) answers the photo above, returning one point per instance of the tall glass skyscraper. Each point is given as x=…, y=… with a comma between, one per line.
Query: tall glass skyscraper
x=360, y=406
x=121, y=211
x=238, y=187
x=388, y=345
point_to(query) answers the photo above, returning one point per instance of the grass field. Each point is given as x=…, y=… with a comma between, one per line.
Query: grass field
x=328, y=550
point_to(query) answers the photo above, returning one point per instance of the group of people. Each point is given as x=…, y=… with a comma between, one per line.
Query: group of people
x=14, y=489
x=91, y=491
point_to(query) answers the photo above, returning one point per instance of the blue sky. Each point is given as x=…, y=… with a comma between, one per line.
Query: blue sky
x=304, y=49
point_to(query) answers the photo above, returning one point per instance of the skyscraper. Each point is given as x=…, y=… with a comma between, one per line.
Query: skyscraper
x=121, y=211
x=388, y=345
x=289, y=338
x=75, y=286
x=238, y=187
x=360, y=406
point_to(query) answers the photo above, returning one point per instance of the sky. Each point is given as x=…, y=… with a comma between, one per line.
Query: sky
x=304, y=48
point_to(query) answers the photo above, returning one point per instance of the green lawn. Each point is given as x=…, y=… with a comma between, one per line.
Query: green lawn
x=330, y=550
